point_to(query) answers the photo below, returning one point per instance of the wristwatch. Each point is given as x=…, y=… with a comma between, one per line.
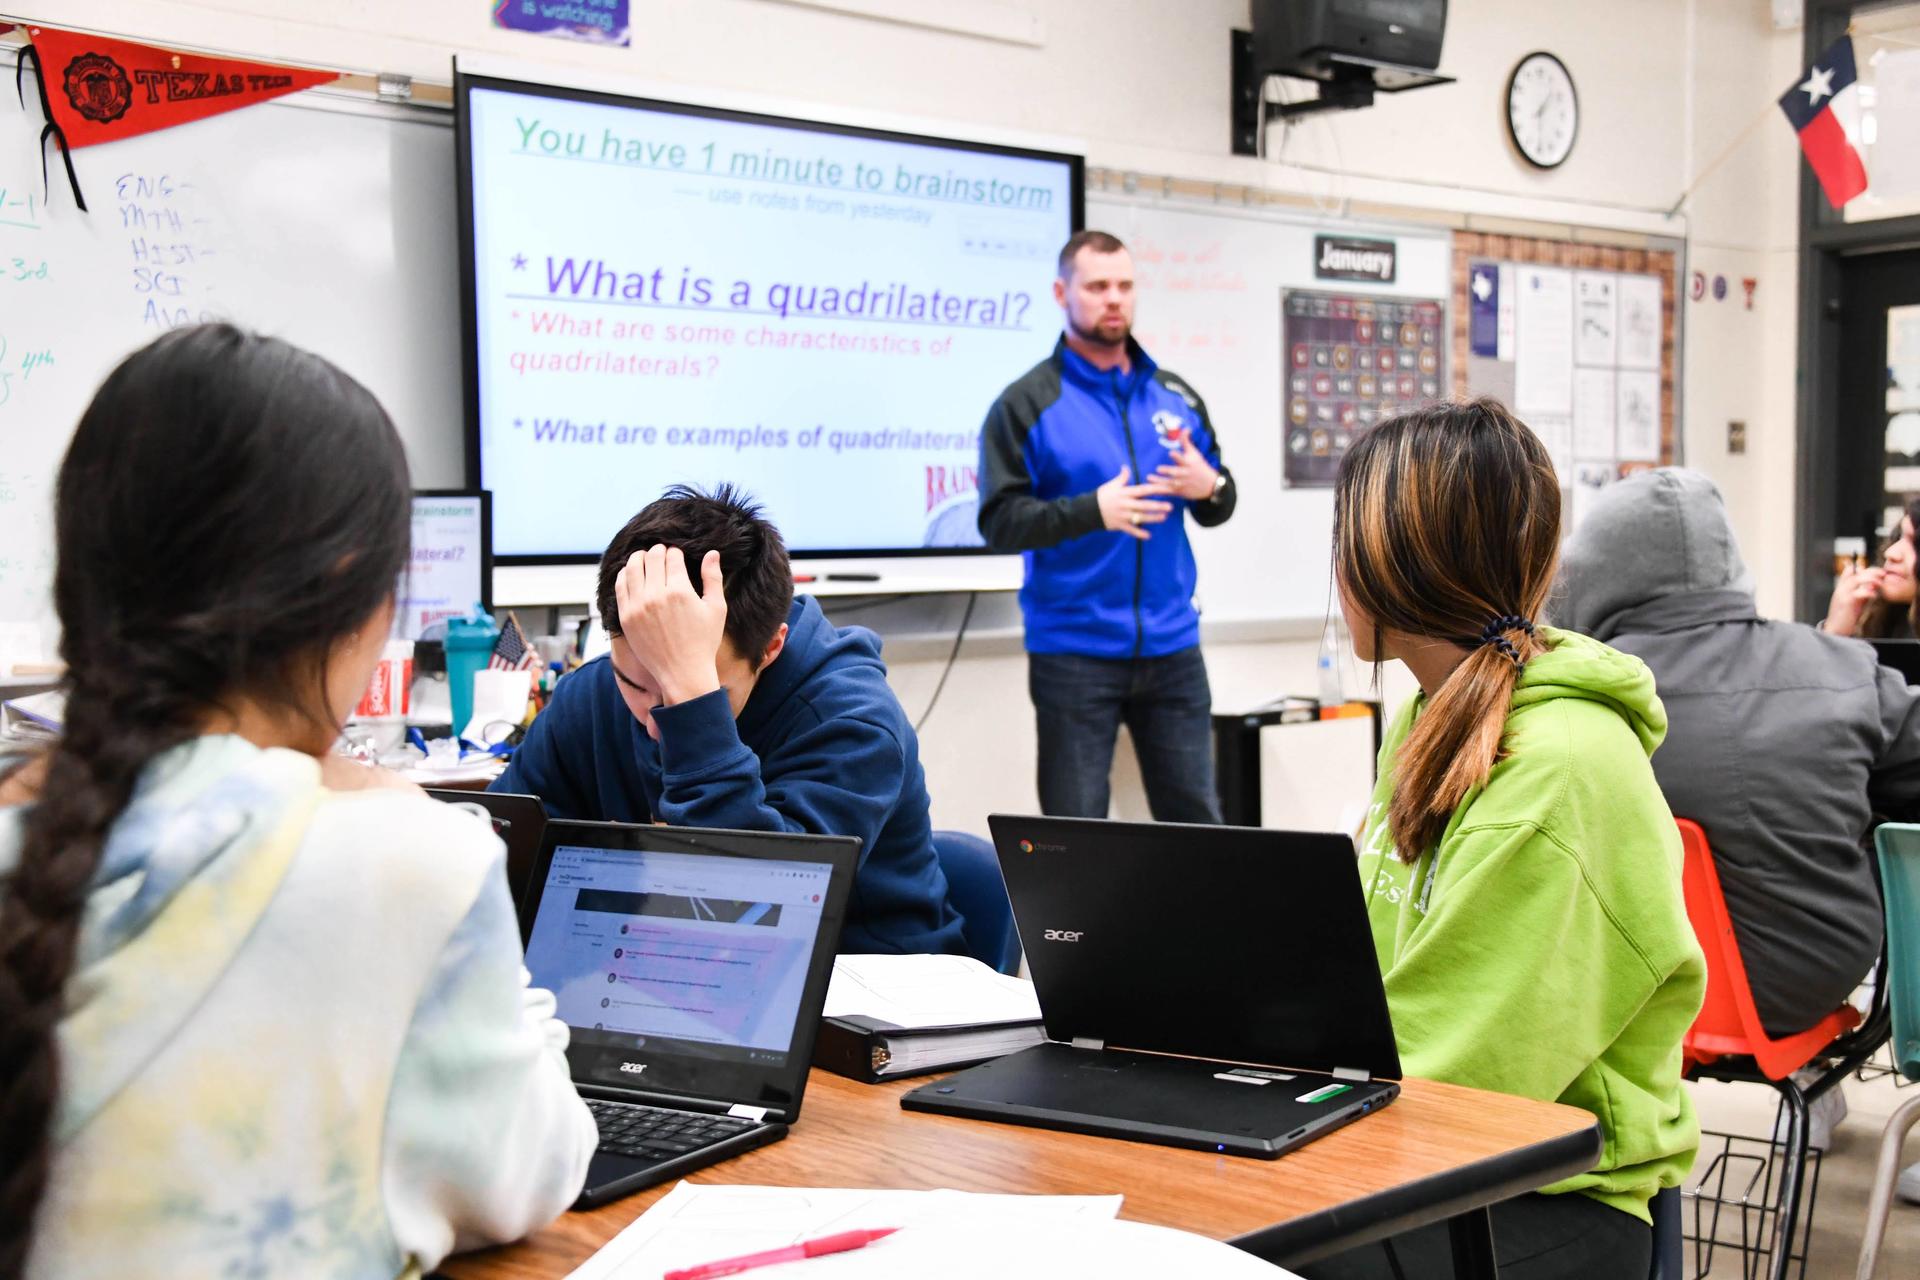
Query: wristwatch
x=1219, y=486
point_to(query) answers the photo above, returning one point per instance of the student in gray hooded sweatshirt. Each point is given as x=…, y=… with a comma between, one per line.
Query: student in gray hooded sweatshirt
x=1783, y=742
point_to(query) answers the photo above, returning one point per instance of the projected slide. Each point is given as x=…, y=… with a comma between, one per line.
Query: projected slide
x=820, y=317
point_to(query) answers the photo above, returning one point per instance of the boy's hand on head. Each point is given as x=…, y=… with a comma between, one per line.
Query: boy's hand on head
x=673, y=631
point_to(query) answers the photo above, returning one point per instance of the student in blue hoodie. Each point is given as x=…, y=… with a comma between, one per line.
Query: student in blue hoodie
x=1089, y=464
x=728, y=702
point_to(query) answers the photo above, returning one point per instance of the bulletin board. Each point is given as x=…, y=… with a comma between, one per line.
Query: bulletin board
x=1579, y=340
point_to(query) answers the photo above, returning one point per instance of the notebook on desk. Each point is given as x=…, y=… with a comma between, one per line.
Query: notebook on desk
x=691, y=967
x=1206, y=987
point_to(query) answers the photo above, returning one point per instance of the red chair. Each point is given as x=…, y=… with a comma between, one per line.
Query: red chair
x=1728, y=1023
x=1727, y=1042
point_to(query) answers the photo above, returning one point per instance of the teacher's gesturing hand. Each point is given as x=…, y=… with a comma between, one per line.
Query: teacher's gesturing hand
x=1125, y=508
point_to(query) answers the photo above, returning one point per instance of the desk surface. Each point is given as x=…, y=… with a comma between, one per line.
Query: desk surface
x=1437, y=1151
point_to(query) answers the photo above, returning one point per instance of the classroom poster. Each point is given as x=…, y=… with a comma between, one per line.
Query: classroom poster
x=1638, y=423
x=1353, y=360
x=595, y=21
x=1596, y=318
x=1593, y=415
x=1544, y=341
x=1639, y=322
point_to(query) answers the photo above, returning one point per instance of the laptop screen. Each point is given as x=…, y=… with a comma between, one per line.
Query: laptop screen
x=681, y=966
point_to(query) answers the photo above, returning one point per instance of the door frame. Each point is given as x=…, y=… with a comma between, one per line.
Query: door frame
x=1825, y=239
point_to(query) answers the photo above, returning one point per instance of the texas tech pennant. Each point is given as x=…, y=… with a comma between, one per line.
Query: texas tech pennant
x=99, y=90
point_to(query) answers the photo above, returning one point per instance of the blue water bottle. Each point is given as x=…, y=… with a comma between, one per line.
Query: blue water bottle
x=469, y=644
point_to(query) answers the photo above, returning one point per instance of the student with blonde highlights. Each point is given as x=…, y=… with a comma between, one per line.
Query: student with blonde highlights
x=1521, y=868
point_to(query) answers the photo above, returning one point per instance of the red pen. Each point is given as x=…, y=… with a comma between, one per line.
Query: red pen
x=792, y=1253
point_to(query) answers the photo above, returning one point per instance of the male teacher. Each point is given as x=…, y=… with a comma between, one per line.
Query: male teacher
x=1089, y=464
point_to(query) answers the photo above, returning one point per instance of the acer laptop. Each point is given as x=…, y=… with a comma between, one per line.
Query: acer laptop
x=518, y=820
x=1205, y=987
x=691, y=967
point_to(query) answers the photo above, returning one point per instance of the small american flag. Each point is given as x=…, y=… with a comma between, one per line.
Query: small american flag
x=511, y=652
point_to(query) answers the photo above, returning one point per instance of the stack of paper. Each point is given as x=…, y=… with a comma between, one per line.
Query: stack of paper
x=940, y=1234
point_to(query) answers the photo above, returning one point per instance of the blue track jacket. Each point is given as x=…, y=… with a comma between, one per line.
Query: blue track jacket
x=1053, y=437
x=822, y=745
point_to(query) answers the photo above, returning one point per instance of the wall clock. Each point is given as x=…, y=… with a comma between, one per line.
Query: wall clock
x=1543, y=111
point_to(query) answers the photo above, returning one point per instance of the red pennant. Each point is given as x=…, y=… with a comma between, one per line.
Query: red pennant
x=100, y=90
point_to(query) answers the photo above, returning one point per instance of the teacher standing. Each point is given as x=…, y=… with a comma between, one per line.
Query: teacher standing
x=1089, y=465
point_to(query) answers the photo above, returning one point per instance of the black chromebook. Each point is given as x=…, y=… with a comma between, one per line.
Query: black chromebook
x=1206, y=987
x=691, y=967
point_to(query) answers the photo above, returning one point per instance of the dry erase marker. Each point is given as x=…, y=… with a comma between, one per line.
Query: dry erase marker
x=792, y=1253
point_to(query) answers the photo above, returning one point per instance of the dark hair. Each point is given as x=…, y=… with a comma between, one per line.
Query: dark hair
x=753, y=559
x=1446, y=525
x=1098, y=241
x=1881, y=619
x=229, y=509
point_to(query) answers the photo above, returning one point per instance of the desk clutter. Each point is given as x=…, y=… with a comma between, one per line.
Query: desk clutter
x=483, y=678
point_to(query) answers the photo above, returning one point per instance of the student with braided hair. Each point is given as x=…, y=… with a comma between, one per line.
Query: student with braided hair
x=1522, y=871
x=261, y=1012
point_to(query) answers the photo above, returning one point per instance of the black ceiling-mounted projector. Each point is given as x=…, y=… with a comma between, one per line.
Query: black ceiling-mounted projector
x=1353, y=48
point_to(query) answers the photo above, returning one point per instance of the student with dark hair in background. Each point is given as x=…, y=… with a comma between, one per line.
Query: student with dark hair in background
x=728, y=702
x=262, y=1010
x=1878, y=602
x=1521, y=869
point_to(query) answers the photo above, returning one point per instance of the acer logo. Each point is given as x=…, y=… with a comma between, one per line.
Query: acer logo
x=633, y=1068
x=1065, y=935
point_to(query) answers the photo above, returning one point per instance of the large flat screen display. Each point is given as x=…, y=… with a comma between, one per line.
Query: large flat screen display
x=820, y=315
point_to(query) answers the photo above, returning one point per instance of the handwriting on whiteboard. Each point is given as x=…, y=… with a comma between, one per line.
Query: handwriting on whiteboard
x=169, y=242
x=19, y=209
x=18, y=364
x=1159, y=267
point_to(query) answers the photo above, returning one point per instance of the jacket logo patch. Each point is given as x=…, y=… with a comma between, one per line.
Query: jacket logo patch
x=1169, y=427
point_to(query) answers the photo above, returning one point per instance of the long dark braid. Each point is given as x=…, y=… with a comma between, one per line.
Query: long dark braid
x=230, y=507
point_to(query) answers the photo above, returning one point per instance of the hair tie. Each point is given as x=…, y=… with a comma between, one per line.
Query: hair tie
x=1494, y=633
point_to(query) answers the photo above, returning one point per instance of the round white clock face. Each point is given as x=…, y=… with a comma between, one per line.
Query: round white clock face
x=1543, y=112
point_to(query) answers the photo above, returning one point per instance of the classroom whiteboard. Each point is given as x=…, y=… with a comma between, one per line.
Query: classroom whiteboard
x=327, y=222
x=1210, y=281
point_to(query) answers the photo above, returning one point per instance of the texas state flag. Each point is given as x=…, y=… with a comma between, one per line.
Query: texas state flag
x=1825, y=113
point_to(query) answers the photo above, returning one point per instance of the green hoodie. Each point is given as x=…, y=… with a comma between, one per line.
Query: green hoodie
x=1544, y=949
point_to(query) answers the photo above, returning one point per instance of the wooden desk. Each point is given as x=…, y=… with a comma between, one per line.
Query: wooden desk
x=1438, y=1151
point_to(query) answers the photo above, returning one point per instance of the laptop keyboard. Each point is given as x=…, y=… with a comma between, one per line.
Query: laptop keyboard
x=658, y=1133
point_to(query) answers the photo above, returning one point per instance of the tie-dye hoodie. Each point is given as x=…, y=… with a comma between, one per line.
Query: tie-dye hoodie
x=298, y=1038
